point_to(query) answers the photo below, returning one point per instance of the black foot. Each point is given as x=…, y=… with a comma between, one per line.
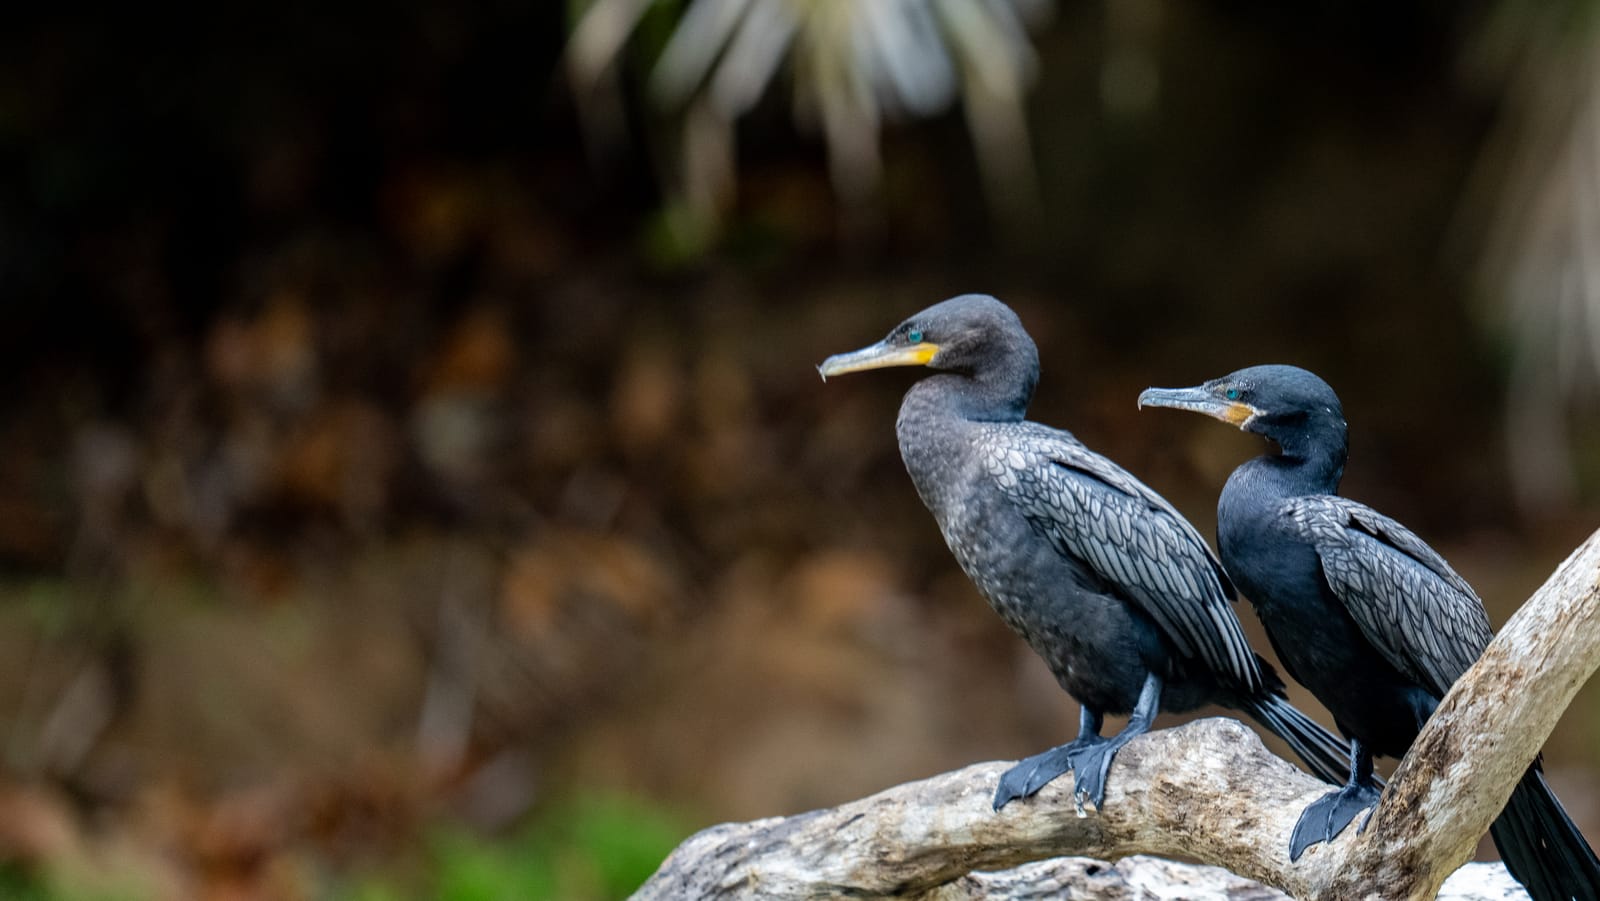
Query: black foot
x=1026, y=778
x=1326, y=817
x=1089, y=769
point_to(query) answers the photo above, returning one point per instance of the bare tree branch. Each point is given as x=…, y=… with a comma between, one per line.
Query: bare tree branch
x=1208, y=791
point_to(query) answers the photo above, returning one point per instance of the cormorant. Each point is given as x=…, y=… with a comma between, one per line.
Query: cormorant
x=1361, y=611
x=1103, y=578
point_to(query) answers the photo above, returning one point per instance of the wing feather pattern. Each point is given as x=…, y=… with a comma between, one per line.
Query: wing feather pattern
x=1419, y=614
x=1093, y=510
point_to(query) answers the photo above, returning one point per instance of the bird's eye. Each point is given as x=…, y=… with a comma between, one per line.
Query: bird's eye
x=914, y=336
x=1233, y=393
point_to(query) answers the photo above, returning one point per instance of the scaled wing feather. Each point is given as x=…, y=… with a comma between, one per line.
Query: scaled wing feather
x=1092, y=509
x=1414, y=609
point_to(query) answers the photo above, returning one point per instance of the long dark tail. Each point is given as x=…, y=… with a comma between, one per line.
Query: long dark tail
x=1327, y=755
x=1541, y=847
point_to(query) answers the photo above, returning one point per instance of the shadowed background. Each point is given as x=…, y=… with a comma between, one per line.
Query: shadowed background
x=413, y=477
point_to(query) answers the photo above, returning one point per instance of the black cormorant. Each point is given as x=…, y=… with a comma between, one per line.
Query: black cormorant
x=1103, y=578
x=1361, y=611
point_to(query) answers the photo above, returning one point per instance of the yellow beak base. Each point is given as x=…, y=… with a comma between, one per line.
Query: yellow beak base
x=878, y=356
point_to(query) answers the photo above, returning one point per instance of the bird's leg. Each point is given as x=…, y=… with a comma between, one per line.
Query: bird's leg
x=1037, y=771
x=1091, y=764
x=1326, y=817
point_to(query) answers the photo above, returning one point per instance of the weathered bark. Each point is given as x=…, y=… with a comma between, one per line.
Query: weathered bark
x=1208, y=791
x=1141, y=878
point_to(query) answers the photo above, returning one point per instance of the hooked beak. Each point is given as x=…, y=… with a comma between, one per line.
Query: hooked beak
x=1200, y=399
x=878, y=356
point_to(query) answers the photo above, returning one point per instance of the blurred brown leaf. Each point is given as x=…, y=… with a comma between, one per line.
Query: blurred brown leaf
x=477, y=356
x=646, y=399
x=566, y=580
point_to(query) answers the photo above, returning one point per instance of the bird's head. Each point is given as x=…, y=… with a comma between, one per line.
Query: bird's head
x=1284, y=403
x=973, y=336
x=963, y=334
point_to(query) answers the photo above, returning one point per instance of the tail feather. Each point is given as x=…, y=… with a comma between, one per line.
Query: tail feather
x=1325, y=754
x=1519, y=851
x=1541, y=846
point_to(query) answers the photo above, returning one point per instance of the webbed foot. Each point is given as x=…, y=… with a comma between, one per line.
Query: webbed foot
x=1028, y=776
x=1326, y=817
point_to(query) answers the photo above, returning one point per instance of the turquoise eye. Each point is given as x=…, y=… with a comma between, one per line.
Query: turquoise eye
x=1233, y=393
x=914, y=336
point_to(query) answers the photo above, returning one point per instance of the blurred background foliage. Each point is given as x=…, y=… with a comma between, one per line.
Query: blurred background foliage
x=414, y=483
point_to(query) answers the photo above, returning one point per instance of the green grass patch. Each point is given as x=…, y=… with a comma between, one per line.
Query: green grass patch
x=587, y=849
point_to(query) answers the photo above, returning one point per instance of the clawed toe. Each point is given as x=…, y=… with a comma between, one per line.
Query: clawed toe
x=1029, y=776
x=1367, y=820
x=1090, y=771
x=1012, y=786
x=1307, y=831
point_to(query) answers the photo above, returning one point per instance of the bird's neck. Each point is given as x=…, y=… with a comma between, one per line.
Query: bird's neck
x=1250, y=520
x=1304, y=464
x=990, y=396
x=1313, y=458
x=935, y=428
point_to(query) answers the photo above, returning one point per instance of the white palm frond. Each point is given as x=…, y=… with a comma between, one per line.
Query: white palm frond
x=854, y=63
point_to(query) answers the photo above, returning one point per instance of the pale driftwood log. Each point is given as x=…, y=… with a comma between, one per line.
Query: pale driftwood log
x=1142, y=878
x=1207, y=791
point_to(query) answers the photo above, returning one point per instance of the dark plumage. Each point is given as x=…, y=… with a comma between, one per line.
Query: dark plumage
x=1101, y=576
x=1361, y=611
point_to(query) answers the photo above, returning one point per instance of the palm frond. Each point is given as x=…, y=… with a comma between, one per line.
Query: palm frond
x=854, y=65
